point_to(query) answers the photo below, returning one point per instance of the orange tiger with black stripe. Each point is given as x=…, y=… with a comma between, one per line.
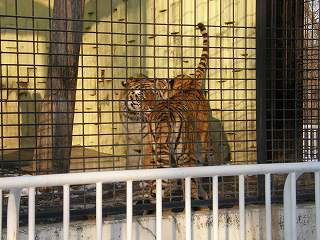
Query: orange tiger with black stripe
x=178, y=126
x=133, y=117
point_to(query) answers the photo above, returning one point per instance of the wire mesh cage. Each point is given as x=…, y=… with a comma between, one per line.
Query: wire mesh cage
x=290, y=115
x=100, y=85
x=310, y=85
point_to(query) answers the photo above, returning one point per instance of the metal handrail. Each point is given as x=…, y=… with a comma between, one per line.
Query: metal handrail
x=153, y=174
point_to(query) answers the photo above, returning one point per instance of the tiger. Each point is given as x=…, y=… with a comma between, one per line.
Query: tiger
x=178, y=126
x=133, y=119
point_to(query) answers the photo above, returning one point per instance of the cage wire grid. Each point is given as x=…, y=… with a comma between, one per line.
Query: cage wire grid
x=262, y=71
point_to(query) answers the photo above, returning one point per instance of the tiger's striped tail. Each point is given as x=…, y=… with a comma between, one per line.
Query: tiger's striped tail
x=203, y=64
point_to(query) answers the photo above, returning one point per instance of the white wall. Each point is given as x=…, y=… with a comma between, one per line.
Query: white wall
x=173, y=226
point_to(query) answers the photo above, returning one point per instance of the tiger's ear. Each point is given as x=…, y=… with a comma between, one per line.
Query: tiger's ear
x=124, y=83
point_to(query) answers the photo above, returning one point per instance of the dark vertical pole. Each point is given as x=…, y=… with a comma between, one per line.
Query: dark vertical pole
x=54, y=133
x=261, y=29
x=261, y=40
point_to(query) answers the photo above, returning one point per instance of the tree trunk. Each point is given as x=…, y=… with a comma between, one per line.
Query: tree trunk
x=55, y=120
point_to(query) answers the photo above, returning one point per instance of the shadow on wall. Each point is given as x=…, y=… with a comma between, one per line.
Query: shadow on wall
x=219, y=142
x=29, y=105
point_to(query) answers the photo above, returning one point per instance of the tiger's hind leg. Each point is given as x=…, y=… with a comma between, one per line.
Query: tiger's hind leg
x=197, y=190
x=188, y=160
x=156, y=156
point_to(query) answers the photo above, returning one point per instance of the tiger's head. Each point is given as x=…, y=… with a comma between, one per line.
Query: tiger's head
x=140, y=91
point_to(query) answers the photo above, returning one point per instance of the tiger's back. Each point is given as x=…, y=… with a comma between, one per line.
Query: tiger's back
x=177, y=131
x=181, y=124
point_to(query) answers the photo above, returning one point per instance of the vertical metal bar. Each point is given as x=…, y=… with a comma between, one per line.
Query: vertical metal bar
x=215, y=207
x=13, y=214
x=99, y=112
x=286, y=209
x=99, y=210
x=234, y=87
x=0, y=214
x=31, y=214
x=188, y=207
x=242, y=208
x=18, y=89
x=261, y=40
x=293, y=206
x=246, y=85
x=66, y=209
x=288, y=201
x=159, y=210
x=129, y=210
x=317, y=199
x=268, y=206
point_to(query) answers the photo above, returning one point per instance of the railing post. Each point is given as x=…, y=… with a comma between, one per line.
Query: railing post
x=289, y=206
x=268, y=206
x=99, y=211
x=242, y=210
x=0, y=214
x=317, y=200
x=187, y=210
x=159, y=209
x=31, y=214
x=129, y=210
x=66, y=211
x=13, y=213
x=215, y=207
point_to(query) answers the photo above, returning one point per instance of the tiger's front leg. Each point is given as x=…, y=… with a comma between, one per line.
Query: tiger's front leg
x=149, y=162
x=197, y=191
x=155, y=159
x=157, y=155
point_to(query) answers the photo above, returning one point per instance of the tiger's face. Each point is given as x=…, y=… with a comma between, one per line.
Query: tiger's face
x=142, y=91
x=134, y=99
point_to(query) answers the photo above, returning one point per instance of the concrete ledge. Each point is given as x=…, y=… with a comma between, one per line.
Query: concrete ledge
x=173, y=226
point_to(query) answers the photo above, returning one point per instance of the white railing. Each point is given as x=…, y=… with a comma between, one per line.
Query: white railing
x=294, y=170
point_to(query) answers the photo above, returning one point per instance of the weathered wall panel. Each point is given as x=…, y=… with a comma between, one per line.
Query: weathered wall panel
x=174, y=226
